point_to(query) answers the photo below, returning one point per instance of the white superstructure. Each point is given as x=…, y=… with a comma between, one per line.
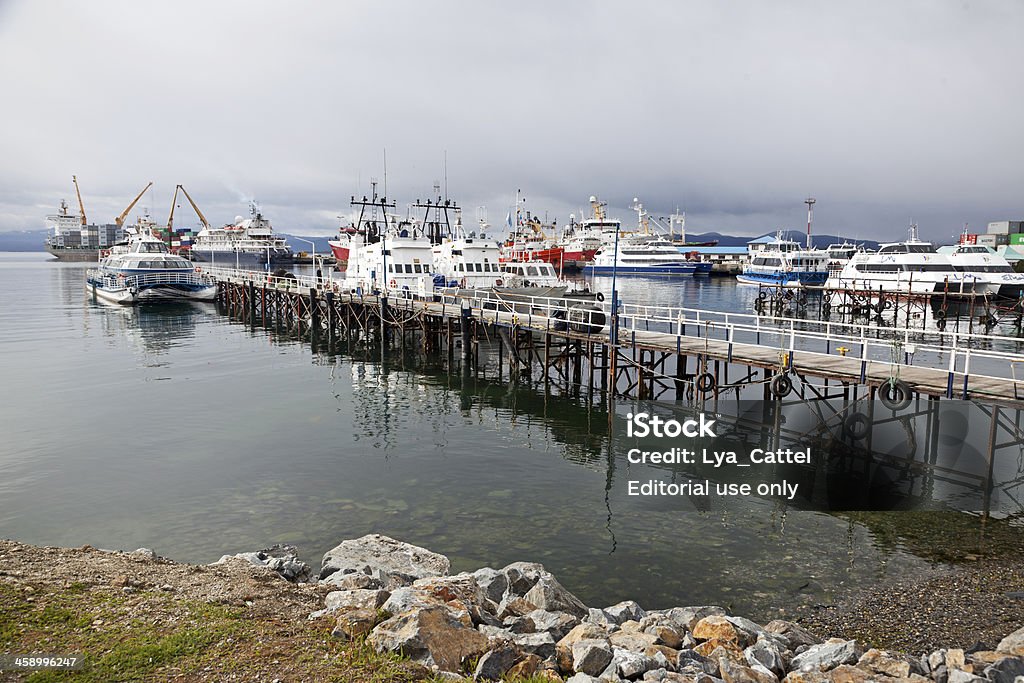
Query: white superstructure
x=909, y=267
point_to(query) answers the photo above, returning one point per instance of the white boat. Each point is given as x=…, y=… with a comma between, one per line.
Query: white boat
x=581, y=241
x=143, y=269
x=784, y=263
x=245, y=243
x=988, y=266
x=909, y=267
x=640, y=255
x=468, y=261
x=387, y=255
x=839, y=255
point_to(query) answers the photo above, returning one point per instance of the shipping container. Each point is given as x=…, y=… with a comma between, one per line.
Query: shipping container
x=1017, y=238
x=1005, y=227
x=968, y=239
x=988, y=240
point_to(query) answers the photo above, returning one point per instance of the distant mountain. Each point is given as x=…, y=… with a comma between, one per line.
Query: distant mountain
x=25, y=240
x=723, y=240
x=297, y=245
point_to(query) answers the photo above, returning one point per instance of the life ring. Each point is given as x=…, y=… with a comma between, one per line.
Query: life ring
x=761, y=294
x=857, y=426
x=198, y=269
x=781, y=386
x=393, y=283
x=498, y=282
x=705, y=382
x=895, y=394
x=600, y=296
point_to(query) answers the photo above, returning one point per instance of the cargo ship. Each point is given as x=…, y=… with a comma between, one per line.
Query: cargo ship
x=72, y=238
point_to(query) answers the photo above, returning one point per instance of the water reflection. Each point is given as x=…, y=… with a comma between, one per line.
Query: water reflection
x=251, y=438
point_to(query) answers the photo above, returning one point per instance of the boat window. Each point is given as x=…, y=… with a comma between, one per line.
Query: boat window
x=532, y=270
x=479, y=268
x=391, y=267
x=408, y=267
x=920, y=249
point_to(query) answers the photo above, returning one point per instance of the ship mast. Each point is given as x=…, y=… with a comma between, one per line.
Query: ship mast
x=81, y=206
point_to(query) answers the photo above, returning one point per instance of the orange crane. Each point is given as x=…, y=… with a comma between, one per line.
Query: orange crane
x=124, y=214
x=202, y=218
x=81, y=206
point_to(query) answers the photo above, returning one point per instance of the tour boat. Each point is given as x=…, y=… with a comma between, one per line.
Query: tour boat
x=143, y=269
x=908, y=267
x=245, y=243
x=784, y=263
x=640, y=255
x=839, y=255
x=988, y=266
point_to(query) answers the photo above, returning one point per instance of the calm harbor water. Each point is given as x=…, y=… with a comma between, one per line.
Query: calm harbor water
x=178, y=429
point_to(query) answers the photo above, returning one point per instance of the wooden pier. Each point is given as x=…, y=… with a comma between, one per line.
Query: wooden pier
x=646, y=352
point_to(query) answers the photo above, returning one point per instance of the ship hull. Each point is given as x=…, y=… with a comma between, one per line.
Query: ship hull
x=76, y=255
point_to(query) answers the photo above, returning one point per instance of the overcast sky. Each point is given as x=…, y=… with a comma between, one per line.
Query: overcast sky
x=734, y=111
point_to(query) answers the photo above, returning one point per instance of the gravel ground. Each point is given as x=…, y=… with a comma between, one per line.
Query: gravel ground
x=976, y=603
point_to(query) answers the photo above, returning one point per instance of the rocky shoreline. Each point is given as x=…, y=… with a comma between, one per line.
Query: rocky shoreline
x=519, y=621
x=516, y=623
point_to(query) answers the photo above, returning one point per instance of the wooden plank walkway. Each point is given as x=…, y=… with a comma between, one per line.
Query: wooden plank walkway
x=928, y=381
x=813, y=364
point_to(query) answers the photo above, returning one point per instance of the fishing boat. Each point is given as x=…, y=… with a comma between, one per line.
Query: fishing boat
x=468, y=261
x=784, y=263
x=142, y=269
x=245, y=243
x=528, y=240
x=340, y=247
x=581, y=241
x=909, y=267
x=387, y=255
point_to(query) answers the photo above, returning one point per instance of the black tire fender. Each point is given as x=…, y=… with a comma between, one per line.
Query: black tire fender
x=856, y=426
x=781, y=386
x=895, y=394
x=705, y=382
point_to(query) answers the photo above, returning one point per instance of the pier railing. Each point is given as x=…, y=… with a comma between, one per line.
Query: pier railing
x=963, y=357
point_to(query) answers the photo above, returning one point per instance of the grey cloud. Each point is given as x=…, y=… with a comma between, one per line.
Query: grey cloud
x=734, y=110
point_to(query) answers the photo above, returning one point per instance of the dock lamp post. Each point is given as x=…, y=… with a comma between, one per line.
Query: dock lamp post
x=312, y=247
x=614, y=336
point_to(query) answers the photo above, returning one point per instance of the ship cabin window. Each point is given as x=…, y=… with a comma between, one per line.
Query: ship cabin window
x=408, y=268
x=532, y=270
x=391, y=267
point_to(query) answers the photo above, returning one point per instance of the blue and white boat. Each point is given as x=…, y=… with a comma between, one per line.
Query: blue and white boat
x=642, y=255
x=143, y=269
x=784, y=263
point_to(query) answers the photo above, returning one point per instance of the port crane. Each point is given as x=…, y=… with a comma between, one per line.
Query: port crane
x=174, y=202
x=81, y=206
x=124, y=214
